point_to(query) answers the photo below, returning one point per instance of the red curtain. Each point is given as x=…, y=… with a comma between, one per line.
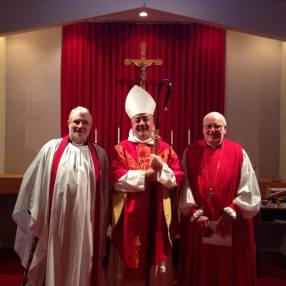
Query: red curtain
x=94, y=75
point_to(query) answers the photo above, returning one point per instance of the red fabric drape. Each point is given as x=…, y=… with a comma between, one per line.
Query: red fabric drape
x=94, y=75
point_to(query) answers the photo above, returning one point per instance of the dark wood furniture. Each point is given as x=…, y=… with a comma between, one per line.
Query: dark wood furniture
x=270, y=223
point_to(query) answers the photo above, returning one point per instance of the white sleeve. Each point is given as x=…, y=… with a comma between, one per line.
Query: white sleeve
x=187, y=200
x=132, y=181
x=31, y=194
x=248, y=194
x=167, y=177
x=30, y=209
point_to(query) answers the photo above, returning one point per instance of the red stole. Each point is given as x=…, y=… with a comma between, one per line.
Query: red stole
x=203, y=171
x=141, y=235
x=57, y=157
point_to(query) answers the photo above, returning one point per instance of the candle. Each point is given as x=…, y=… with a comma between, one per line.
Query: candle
x=189, y=136
x=118, y=135
x=172, y=137
x=95, y=135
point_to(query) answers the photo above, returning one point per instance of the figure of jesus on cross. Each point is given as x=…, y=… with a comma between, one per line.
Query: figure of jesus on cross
x=143, y=63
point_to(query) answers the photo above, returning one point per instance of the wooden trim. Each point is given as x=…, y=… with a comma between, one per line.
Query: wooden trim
x=10, y=183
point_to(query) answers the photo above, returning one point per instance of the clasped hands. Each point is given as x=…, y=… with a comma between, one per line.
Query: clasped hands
x=156, y=163
x=224, y=224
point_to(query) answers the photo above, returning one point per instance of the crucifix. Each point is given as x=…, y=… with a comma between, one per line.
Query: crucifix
x=143, y=63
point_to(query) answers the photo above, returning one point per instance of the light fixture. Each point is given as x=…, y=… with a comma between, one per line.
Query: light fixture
x=143, y=13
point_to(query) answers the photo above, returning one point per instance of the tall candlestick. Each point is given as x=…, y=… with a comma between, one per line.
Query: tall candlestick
x=172, y=137
x=95, y=135
x=189, y=136
x=118, y=135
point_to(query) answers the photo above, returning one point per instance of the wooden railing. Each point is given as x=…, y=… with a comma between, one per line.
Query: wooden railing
x=10, y=183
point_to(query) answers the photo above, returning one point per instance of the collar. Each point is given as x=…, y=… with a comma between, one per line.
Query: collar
x=214, y=147
x=135, y=139
x=75, y=144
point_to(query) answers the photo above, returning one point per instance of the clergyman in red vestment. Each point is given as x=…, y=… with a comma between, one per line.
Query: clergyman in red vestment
x=143, y=183
x=219, y=198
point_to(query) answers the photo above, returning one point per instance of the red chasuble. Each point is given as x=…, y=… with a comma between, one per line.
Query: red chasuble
x=214, y=176
x=141, y=234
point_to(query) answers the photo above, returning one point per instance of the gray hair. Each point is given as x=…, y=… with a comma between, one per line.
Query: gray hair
x=216, y=115
x=79, y=109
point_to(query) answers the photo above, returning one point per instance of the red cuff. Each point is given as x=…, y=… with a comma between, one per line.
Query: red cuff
x=235, y=208
x=192, y=211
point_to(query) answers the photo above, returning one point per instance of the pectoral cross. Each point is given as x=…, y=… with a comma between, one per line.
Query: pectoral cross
x=143, y=63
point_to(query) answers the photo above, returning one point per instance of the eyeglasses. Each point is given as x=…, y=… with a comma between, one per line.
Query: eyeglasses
x=138, y=119
x=215, y=127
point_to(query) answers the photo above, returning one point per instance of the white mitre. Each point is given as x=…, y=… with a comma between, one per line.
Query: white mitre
x=139, y=101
